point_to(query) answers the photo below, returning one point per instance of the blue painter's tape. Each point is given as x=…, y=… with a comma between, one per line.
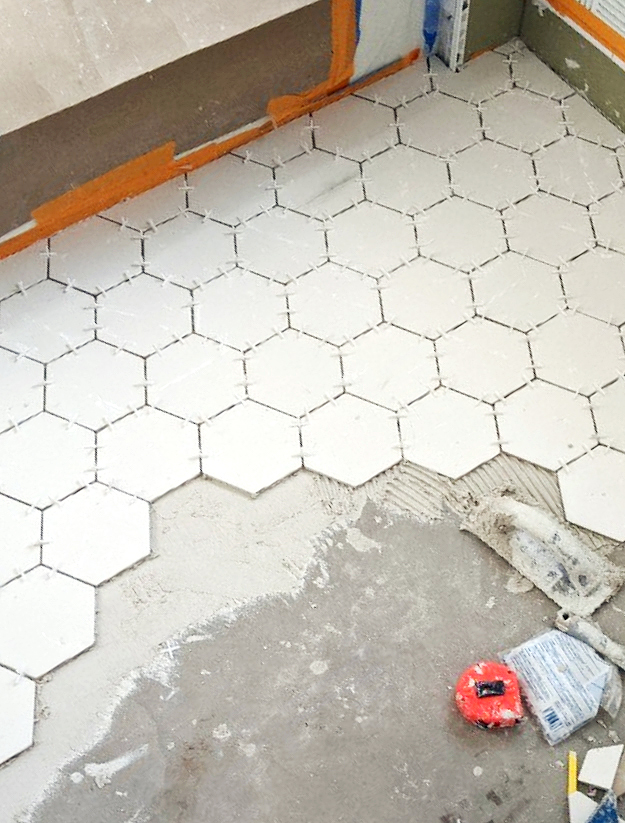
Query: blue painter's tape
x=358, y=13
x=431, y=15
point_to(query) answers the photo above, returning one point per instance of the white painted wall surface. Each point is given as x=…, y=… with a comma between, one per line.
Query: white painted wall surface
x=56, y=53
x=389, y=29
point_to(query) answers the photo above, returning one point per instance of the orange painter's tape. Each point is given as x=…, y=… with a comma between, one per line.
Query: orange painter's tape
x=131, y=178
x=128, y=180
x=212, y=151
x=104, y=191
x=290, y=106
x=283, y=109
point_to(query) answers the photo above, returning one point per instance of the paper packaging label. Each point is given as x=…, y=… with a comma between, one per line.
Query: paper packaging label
x=562, y=679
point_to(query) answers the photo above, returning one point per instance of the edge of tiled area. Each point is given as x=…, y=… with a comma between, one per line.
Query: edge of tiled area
x=203, y=307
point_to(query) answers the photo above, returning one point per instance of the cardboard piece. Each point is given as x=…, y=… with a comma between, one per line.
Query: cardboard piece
x=564, y=682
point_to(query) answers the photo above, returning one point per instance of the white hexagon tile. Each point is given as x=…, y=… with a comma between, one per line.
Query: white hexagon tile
x=281, y=244
x=21, y=538
x=240, y=309
x=529, y=73
x=401, y=88
x=334, y=303
x=152, y=208
x=608, y=405
x=96, y=533
x=17, y=713
x=608, y=218
x=492, y=174
x=594, y=284
x=354, y=128
x=390, y=366
x=189, y=250
x=280, y=145
x=371, y=239
x=577, y=352
x=478, y=234
x=449, y=433
x=439, y=124
x=250, y=447
x=548, y=228
x=517, y=291
x=479, y=80
x=46, y=320
x=294, y=373
x=23, y=269
x=430, y=269
x=95, y=385
x=147, y=453
x=593, y=490
x=582, y=120
x=350, y=440
x=484, y=359
x=319, y=184
x=95, y=255
x=426, y=297
x=144, y=315
x=545, y=424
x=523, y=121
x=597, y=171
x=22, y=388
x=406, y=179
x=52, y=619
x=45, y=459
x=195, y=378
x=231, y=190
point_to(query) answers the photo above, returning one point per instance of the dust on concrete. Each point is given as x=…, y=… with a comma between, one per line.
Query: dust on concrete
x=335, y=703
x=214, y=550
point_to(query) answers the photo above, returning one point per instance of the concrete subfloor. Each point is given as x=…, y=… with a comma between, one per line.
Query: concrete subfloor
x=320, y=689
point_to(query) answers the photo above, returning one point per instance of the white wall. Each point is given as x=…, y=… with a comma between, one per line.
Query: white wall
x=389, y=29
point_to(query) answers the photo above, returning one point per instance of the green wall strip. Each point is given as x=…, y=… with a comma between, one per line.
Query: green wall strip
x=581, y=63
x=491, y=23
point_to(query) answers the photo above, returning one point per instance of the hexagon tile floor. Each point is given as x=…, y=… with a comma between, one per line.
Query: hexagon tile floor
x=432, y=269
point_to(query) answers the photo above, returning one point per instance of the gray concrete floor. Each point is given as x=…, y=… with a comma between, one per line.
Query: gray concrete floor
x=333, y=702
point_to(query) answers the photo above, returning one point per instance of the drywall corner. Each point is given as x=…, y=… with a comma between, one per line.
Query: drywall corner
x=571, y=55
x=492, y=23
